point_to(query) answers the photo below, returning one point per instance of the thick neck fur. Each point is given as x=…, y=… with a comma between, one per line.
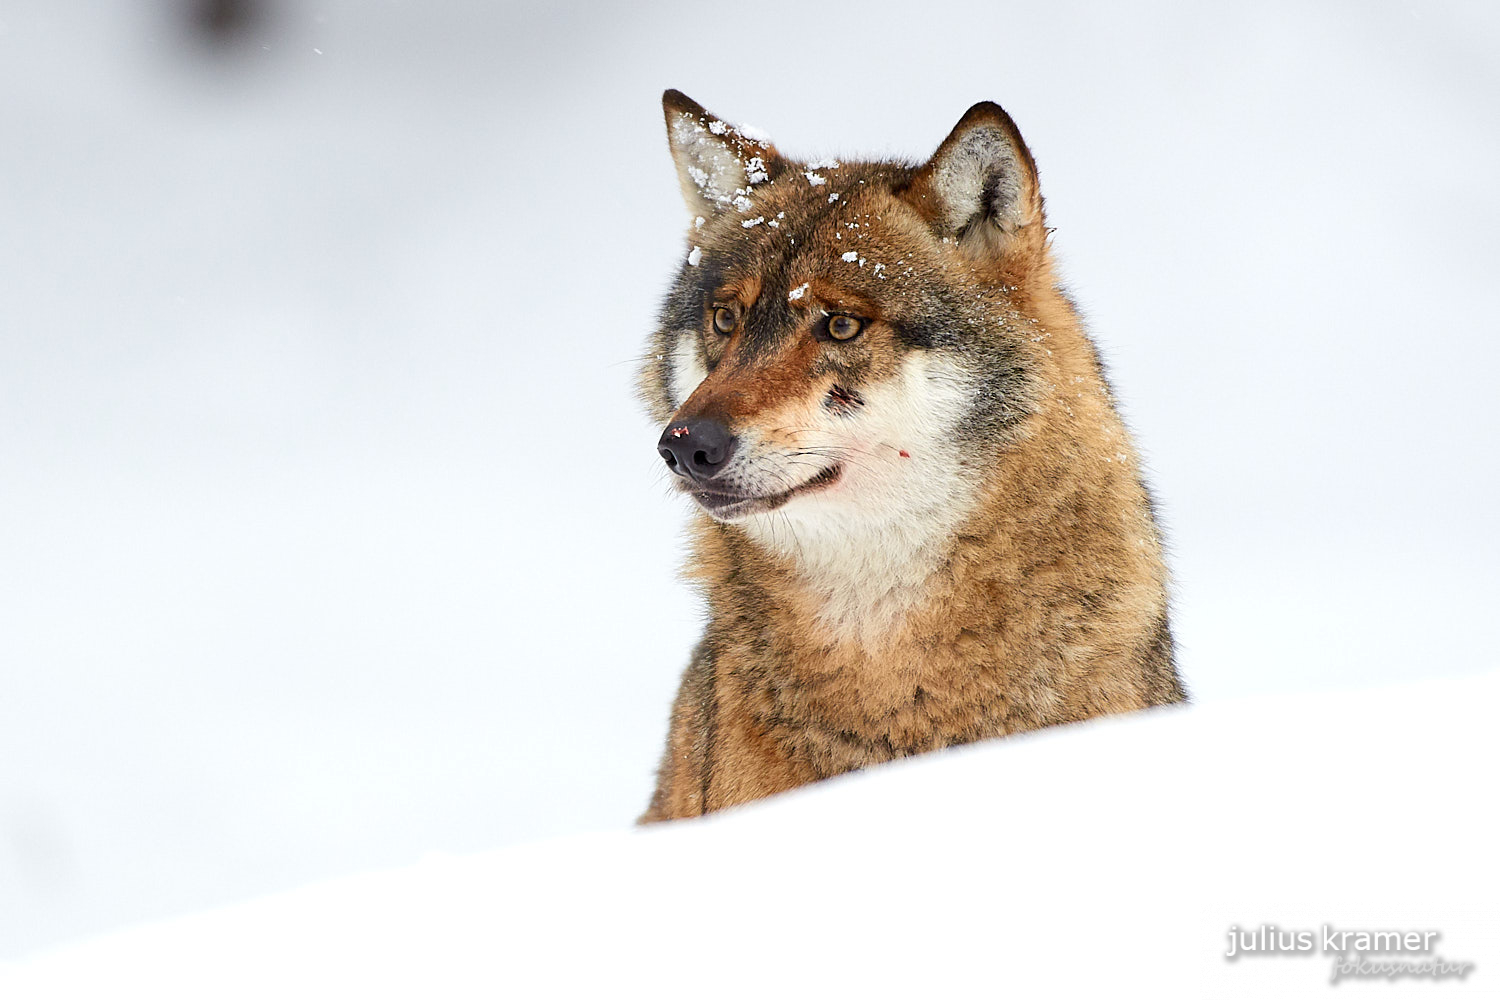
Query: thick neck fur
x=861, y=576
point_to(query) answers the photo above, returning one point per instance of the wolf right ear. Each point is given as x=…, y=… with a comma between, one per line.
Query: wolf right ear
x=717, y=163
x=980, y=187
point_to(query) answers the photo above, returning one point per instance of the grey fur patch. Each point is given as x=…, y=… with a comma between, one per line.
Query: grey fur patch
x=980, y=176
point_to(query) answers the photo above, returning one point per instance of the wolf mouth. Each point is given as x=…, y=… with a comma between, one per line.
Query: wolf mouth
x=729, y=506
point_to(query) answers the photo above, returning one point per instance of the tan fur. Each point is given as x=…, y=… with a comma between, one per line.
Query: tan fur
x=1045, y=603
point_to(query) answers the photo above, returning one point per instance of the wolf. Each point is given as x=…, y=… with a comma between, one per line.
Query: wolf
x=920, y=519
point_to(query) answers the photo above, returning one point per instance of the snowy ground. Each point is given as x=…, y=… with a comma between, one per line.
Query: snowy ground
x=290, y=585
x=1099, y=860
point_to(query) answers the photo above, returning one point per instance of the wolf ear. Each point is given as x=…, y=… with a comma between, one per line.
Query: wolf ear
x=980, y=187
x=717, y=163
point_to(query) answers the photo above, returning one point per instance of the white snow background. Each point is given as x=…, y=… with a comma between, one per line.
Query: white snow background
x=1091, y=861
x=331, y=534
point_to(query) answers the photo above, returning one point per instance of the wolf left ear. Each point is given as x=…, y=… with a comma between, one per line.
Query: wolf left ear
x=980, y=187
x=717, y=163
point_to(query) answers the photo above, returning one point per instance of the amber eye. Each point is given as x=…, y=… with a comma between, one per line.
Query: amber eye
x=844, y=327
x=724, y=320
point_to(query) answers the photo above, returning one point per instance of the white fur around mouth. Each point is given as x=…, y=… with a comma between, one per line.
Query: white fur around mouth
x=732, y=506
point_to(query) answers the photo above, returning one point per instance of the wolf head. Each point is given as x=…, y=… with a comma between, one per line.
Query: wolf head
x=848, y=342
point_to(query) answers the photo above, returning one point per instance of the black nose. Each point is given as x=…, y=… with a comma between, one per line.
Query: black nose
x=696, y=449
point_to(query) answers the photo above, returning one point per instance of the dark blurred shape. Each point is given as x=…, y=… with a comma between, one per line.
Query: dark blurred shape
x=226, y=22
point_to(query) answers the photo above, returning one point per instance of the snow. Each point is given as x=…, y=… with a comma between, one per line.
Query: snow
x=1081, y=861
x=754, y=133
x=295, y=584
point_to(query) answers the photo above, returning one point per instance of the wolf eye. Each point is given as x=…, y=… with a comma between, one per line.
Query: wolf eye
x=844, y=327
x=724, y=320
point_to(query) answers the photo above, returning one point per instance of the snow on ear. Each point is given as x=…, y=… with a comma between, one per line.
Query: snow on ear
x=717, y=163
x=981, y=185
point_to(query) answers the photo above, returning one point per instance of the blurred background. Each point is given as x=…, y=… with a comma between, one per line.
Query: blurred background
x=296, y=297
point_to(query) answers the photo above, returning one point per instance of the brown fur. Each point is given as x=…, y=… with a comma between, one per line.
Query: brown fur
x=1050, y=603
